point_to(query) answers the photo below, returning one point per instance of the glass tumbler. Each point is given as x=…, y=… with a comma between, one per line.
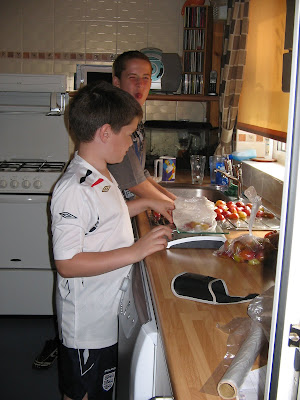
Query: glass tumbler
x=197, y=168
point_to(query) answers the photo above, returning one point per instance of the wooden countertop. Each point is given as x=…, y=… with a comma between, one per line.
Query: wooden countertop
x=194, y=345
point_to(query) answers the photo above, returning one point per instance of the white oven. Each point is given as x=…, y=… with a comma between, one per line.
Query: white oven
x=33, y=154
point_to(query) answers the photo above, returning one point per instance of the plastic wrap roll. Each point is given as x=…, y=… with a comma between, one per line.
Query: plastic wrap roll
x=242, y=363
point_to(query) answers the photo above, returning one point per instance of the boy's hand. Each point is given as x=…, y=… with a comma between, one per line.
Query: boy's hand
x=163, y=207
x=153, y=241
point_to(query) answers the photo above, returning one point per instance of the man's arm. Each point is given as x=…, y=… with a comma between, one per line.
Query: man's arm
x=146, y=189
x=161, y=188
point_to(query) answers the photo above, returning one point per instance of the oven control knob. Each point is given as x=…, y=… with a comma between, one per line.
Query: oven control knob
x=37, y=184
x=3, y=183
x=26, y=184
x=14, y=184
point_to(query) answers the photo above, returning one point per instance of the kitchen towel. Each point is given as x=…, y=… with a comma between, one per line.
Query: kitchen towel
x=205, y=289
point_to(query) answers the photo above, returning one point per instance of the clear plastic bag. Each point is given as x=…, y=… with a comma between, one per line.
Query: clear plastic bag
x=194, y=215
x=246, y=248
x=260, y=310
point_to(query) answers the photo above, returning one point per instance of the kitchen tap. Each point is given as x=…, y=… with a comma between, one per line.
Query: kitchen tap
x=235, y=176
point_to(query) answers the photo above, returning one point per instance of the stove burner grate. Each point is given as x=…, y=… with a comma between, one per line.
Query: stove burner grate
x=32, y=166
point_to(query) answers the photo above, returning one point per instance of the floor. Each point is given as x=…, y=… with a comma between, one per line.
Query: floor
x=22, y=339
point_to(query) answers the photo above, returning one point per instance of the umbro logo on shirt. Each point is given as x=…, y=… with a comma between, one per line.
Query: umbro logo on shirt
x=67, y=215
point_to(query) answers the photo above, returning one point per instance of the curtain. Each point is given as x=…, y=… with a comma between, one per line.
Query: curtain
x=232, y=69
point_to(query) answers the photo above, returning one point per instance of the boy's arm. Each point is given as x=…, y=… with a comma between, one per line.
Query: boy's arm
x=164, y=207
x=86, y=264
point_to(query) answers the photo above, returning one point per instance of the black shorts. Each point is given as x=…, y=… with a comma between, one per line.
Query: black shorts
x=88, y=371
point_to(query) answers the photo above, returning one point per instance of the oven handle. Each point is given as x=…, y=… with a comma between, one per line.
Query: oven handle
x=24, y=198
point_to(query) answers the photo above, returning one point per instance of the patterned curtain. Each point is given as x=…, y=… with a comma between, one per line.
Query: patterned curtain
x=232, y=69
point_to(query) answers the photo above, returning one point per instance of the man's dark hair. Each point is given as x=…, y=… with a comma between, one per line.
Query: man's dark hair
x=100, y=103
x=120, y=62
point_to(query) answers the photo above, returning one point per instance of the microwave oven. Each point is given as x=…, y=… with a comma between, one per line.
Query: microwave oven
x=91, y=73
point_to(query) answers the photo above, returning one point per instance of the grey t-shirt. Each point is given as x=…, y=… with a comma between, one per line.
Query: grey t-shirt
x=131, y=171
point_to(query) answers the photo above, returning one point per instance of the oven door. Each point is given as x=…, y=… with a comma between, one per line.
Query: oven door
x=26, y=263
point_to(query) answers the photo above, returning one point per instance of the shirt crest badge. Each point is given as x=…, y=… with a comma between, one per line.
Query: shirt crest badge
x=108, y=380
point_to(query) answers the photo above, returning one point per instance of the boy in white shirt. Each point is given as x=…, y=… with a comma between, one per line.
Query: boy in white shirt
x=93, y=242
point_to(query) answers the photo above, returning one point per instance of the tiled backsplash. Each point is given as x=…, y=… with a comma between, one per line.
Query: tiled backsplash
x=52, y=36
x=266, y=186
x=246, y=140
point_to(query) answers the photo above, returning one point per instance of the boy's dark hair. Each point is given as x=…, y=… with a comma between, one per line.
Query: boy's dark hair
x=100, y=103
x=121, y=61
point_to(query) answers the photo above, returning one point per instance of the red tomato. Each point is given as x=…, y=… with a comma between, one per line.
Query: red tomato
x=239, y=204
x=156, y=216
x=223, y=207
x=247, y=254
x=230, y=203
x=227, y=214
x=268, y=215
x=249, y=205
x=247, y=211
x=218, y=210
x=240, y=209
x=234, y=216
x=232, y=209
x=270, y=233
x=259, y=214
x=220, y=217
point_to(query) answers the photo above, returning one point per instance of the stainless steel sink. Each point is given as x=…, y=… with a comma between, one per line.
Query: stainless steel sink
x=213, y=194
x=210, y=193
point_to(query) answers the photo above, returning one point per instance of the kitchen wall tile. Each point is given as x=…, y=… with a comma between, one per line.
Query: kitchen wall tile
x=272, y=189
x=257, y=181
x=164, y=37
x=165, y=11
x=40, y=38
x=11, y=34
x=247, y=174
x=133, y=11
x=74, y=10
x=161, y=143
x=160, y=110
x=11, y=26
x=11, y=66
x=192, y=111
x=101, y=10
x=131, y=36
x=66, y=67
x=69, y=36
x=45, y=10
x=100, y=37
x=38, y=67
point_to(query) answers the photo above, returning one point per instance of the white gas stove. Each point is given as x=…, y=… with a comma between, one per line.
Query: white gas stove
x=34, y=137
x=34, y=152
x=29, y=176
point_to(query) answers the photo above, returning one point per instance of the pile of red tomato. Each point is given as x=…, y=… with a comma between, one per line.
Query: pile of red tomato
x=232, y=210
x=237, y=210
